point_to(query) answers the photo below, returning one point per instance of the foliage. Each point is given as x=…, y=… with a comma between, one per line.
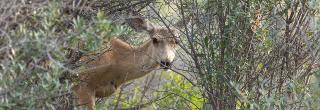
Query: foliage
x=180, y=93
x=33, y=56
x=252, y=54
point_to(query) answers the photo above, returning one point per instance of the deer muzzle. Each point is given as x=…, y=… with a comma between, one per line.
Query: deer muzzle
x=165, y=64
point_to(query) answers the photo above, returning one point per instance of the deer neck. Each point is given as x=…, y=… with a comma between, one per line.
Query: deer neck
x=148, y=62
x=138, y=58
x=144, y=62
x=136, y=61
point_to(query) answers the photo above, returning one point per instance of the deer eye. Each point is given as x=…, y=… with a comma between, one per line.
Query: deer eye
x=176, y=42
x=155, y=40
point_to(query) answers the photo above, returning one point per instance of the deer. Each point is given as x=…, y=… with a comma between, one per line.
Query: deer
x=125, y=62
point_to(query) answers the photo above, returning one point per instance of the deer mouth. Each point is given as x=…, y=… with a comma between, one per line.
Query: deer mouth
x=165, y=65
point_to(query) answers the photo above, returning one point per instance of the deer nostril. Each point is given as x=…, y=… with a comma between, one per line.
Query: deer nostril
x=165, y=65
x=162, y=63
x=168, y=64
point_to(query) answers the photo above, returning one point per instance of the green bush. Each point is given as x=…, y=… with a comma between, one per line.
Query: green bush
x=254, y=54
x=34, y=56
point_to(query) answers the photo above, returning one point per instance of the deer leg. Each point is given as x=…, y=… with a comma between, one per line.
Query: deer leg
x=85, y=96
x=106, y=91
x=91, y=102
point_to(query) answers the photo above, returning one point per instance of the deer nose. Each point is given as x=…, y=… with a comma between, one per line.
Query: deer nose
x=165, y=64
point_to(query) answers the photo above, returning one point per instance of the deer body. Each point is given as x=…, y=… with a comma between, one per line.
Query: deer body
x=124, y=63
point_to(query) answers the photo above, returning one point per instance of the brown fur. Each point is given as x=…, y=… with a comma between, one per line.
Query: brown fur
x=123, y=63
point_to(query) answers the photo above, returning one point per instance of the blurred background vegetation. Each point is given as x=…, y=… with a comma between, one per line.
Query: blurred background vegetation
x=233, y=54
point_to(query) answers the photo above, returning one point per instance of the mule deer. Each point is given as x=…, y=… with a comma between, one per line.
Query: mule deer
x=125, y=62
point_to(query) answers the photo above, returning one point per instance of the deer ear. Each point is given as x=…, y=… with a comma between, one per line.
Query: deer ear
x=140, y=24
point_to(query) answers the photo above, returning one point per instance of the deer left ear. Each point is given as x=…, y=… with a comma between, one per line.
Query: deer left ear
x=139, y=24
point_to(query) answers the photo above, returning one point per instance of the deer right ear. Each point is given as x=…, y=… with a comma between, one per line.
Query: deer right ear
x=139, y=24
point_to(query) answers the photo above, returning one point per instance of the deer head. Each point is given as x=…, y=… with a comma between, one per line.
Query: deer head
x=162, y=39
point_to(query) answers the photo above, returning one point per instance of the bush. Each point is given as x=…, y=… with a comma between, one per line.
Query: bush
x=250, y=54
